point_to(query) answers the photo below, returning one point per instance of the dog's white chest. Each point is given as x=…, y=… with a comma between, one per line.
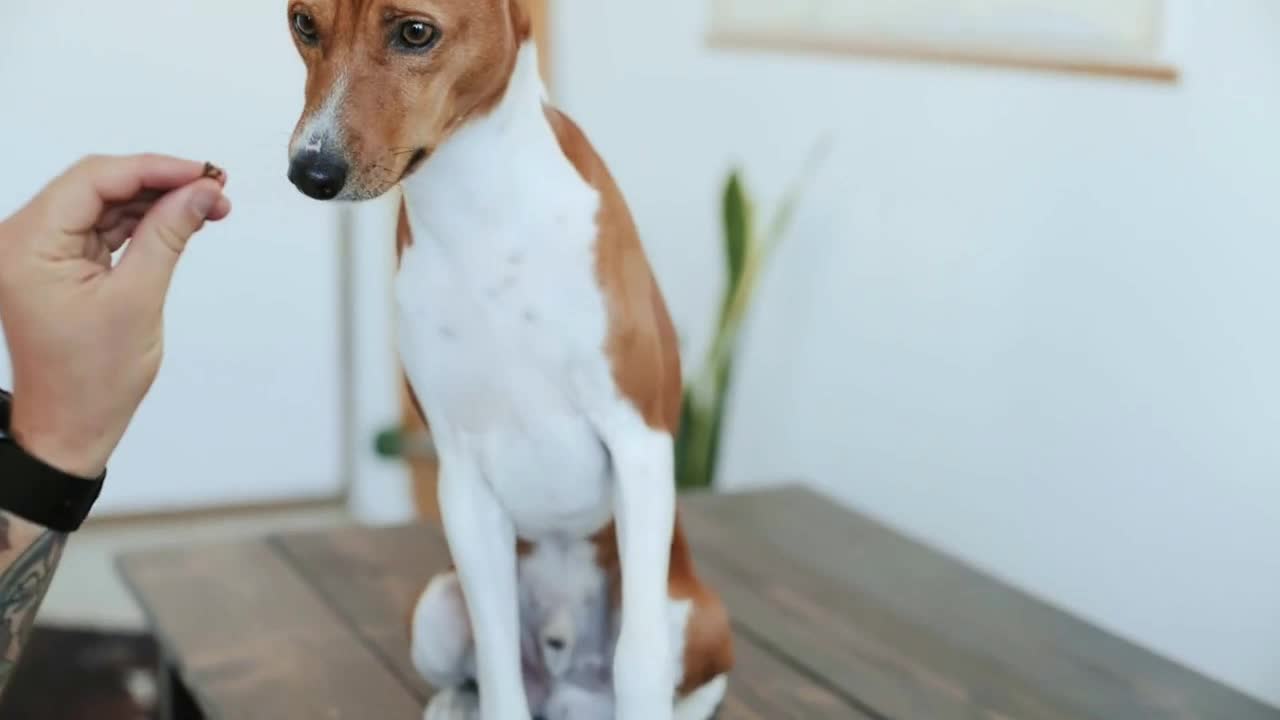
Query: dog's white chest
x=498, y=326
x=500, y=318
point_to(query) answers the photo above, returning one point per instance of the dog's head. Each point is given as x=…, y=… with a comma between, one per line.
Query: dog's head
x=389, y=80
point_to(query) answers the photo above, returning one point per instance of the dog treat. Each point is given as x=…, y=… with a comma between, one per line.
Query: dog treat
x=213, y=171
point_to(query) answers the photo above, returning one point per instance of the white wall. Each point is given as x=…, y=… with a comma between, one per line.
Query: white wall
x=381, y=491
x=246, y=408
x=1028, y=318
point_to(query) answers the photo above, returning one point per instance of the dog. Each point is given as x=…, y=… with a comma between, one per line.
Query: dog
x=539, y=350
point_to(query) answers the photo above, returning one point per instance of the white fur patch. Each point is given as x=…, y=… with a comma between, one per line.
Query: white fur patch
x=644, y=672
x=441, y=648
x=323, y=129
x=453, y=704
x=500, y=307
x=701, y=704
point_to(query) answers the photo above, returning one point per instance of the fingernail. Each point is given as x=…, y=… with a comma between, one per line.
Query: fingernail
x=203, y=202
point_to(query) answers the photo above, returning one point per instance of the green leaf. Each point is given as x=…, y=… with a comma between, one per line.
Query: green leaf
x=737, y=235
x=683, y=450
x=787, y=207
x=695, y=444
x=724, y=376
x=389, y=443
x=706, y=398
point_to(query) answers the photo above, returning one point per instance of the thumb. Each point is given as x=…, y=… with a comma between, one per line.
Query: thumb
x=152, y=256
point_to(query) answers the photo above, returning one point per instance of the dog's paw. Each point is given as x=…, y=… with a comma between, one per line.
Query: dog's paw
x=454, y=704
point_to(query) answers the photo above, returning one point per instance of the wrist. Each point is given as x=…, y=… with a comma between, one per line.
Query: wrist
x=67, y=452
x=38, y=492
x=58, y=454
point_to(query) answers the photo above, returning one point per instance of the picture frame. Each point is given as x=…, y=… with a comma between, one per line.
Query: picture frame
x=1122, y=38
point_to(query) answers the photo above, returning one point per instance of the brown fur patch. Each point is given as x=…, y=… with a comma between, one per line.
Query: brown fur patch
x=708, y=638
x=404, y=235
x=642, y=343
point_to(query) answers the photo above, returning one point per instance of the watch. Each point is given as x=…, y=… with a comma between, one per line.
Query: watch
x=37, y=492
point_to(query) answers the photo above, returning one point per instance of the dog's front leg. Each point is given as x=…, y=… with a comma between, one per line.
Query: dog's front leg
x=644, y=507
x=482, y=541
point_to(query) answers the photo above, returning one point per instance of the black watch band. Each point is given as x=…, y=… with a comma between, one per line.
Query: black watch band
x=36, y=492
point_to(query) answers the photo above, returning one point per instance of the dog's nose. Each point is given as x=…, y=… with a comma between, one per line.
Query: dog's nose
x=318, y=175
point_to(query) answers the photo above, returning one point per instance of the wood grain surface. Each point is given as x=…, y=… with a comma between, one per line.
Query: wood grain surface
x=372, y=578
x=835, y=615
x=253, y=641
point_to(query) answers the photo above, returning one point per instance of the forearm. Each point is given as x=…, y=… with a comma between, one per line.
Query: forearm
x=29, y=554
x=39, y=505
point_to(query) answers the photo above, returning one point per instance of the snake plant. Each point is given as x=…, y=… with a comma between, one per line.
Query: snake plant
x=746, y=253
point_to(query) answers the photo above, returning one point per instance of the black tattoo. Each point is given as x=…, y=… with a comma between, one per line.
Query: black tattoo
x=22, y=588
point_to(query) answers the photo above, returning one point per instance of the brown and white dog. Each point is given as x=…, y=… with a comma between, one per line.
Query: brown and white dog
x=540, y=350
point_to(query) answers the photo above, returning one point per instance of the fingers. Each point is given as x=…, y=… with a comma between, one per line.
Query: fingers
x=114, y=237
x=119, y=221
x=162, y=234
x=78, y=197
x=222, y=209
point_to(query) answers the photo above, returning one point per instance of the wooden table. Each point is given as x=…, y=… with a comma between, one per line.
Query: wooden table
x=836, y=617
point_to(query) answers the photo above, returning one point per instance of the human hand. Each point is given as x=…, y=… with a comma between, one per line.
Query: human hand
x=86, y=338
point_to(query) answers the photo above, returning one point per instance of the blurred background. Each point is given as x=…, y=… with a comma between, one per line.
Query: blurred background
x=999, y=273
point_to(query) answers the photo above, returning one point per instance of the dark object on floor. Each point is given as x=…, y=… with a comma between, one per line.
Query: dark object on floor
x=75, y=674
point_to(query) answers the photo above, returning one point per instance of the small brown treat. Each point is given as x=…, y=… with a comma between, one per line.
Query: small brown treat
x=213, y=171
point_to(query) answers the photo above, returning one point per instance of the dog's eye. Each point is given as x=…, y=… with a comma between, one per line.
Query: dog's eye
x=417, y=35
x=305, y=26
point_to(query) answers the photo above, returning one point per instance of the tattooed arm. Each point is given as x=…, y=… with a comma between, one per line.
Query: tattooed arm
x=28, y=557
x=84, y=334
